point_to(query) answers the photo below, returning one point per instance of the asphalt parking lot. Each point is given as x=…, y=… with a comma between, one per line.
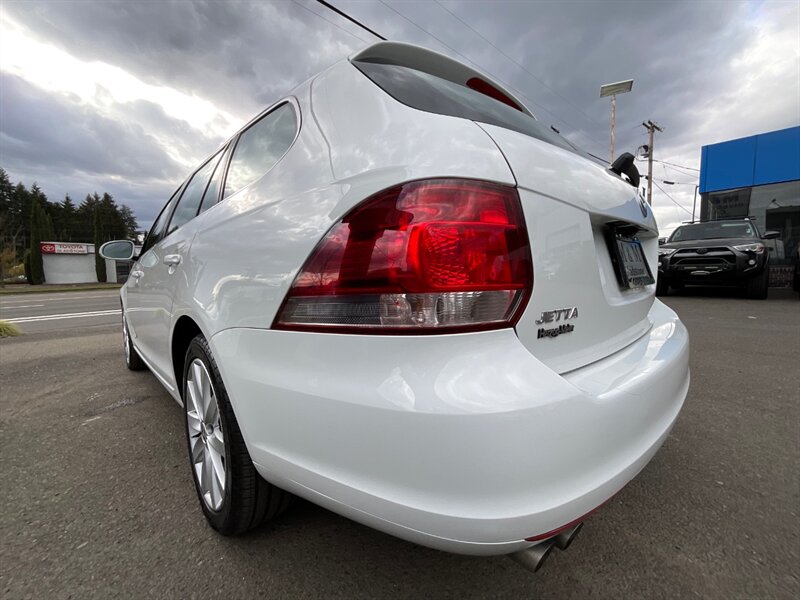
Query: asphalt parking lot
x=97, y=499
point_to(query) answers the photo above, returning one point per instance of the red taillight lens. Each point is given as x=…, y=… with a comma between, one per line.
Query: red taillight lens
x=419, y=257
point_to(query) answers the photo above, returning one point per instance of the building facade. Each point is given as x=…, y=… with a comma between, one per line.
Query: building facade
x=758, y=176
x=68, y=262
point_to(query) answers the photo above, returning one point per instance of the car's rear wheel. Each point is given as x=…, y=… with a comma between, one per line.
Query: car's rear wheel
x=757, y=288
x=133, y=361
x=233, y=496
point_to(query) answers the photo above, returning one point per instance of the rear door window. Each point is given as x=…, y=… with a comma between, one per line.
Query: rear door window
x=430, y=93
x=189, y=204
x=260, y=146
x=156, y=232
x=212, y=191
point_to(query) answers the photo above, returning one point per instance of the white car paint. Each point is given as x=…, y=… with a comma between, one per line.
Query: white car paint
x=466, y=442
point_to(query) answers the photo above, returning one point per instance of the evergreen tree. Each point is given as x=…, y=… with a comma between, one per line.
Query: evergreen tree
x=48, y=231
x=67, y=223
x=26, y=261
x=97, y=218
x=129, y=221
x=15, y=211
x=37, y=227
x=99, y=261
x=6, y=194
x=84, y=232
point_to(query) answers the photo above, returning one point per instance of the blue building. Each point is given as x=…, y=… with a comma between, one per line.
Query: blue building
x=757, y=176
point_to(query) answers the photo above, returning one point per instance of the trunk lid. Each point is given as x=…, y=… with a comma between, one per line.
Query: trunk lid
x=579, y=312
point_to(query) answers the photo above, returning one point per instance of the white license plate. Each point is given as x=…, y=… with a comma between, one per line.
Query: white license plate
x=633, y=269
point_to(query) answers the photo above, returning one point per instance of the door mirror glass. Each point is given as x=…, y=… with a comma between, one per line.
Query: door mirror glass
x=662, y=241
x=118, y=250
x=771, y=235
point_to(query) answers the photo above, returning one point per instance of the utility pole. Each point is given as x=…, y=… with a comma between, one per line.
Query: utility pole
x=651, y=128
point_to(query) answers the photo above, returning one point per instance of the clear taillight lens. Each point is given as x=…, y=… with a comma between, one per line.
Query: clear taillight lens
x=421, y=257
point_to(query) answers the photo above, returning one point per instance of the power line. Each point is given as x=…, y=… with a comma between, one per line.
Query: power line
x=449, y=47
x=679, y=166
x=485, y=39
x=508, y=85
x=674, y=168
x=331, y=22
x=672, y=199
x=351, y=19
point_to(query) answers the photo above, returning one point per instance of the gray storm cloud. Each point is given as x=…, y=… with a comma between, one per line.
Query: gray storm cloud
x=699, y=69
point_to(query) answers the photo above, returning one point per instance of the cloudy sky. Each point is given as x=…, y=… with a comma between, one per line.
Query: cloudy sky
x=127, y=97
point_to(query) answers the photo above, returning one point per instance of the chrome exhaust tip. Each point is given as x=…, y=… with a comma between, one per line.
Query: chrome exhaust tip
x=565, y=538
x=533, y=558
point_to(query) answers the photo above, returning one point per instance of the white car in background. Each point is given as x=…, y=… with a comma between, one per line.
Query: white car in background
x=398, y=295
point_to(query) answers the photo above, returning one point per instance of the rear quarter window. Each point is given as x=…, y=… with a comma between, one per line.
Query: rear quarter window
x=260, y=146
x=430, y=93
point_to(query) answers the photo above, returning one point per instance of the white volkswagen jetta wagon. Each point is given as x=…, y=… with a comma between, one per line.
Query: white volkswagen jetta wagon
x=398, y=295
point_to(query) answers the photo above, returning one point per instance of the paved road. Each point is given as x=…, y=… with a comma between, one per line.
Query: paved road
x=34, y=313
x=97, y=500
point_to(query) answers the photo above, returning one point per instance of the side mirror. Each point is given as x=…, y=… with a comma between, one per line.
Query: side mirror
x=118, y=250
x=771, y=235
x=662, y=241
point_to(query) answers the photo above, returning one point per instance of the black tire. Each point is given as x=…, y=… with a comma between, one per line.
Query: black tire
x=133, y=361
x=662, y=287
x=248, y=500
x=758, y=287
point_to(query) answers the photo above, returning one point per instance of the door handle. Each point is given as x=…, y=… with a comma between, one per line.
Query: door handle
x=137, y=274
x=172, y=260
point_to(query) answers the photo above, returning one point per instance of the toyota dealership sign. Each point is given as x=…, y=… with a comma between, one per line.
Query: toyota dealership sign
x=63, y=248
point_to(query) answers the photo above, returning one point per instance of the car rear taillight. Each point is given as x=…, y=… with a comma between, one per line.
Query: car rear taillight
x=422, y=257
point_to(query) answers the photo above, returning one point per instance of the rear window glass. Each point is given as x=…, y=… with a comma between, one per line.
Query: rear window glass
x=433, y=94
x=713, y=230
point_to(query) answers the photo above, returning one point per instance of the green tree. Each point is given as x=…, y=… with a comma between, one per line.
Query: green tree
x=14, y=214
x=85, y=230
x=63, y=221
x=26, y=261
x=37, y=228
x=99, y=261
x=6, y=263
x=6, y=195
x=129, y=221
x=66, y=221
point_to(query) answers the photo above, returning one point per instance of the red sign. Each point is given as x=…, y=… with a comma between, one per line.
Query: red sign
x=63, y=248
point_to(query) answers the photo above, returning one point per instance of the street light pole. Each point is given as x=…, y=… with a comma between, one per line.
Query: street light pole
x=613, y=122
x=612, y=89
x=694, y=202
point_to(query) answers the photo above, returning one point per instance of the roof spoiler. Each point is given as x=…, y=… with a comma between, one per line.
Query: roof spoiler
x=433, y=63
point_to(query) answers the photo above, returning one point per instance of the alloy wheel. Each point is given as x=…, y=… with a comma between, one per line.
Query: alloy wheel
x=206, y=440
x=126, y=342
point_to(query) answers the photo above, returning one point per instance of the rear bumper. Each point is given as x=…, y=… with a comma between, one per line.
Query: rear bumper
x=466, y=443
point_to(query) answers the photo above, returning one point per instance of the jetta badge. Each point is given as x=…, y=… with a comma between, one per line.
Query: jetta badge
x=554, y=316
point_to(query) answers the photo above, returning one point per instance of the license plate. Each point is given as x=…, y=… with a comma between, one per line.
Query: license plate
x=631, y=266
